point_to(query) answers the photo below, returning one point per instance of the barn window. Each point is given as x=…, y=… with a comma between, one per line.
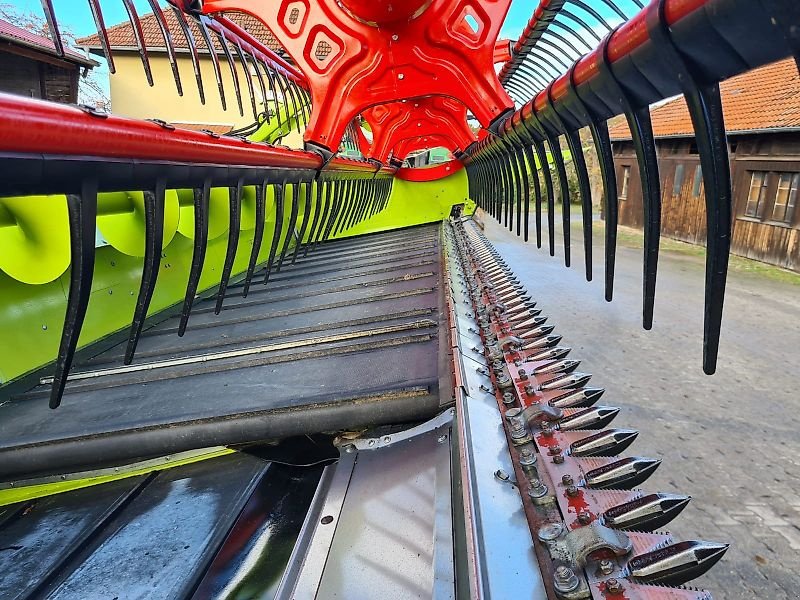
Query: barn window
x=678, y=183
x=626, y=178
x=755, y=197
x=785, y=197
x=698, y=181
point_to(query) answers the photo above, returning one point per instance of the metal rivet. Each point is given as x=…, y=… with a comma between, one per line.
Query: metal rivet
x=567, y=479
x=44, y=327
x=558, y=459
x=442, y=439
x=326, y=520
x=584, y=517
x=572, y=491
x=400, y=76
x=502, y=475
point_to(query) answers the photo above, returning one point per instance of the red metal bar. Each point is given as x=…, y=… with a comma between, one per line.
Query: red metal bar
x=31, y=126
x=625, y=40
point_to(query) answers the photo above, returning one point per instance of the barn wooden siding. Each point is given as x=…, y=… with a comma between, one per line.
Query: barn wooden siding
x=683, y=212
x=26, y=76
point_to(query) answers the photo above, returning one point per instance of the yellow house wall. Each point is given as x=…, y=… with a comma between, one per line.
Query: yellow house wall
x=131, y=96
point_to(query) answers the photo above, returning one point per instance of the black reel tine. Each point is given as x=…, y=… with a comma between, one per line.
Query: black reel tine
x=561, y=171
x=705, y=109
x=262, y=86
x=138, y=35
x=82, y=210
x=537, y=194
x=290, y=232
x=201, y=208
x=248, y=78
x=280, y=191
x=52, y=25
x=235, y=204
x=325, y=215
x=214, y=59
x=154, y=237
x=576, y=149
x=187, y=34
x=223, y=42
x=641, y=127
x=102, y=34
x=273, y=89
x=165, y=34
x=304, y=224
x=258, y=234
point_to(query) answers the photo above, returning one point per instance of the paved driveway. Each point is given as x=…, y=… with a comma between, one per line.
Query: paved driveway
x=732, y=440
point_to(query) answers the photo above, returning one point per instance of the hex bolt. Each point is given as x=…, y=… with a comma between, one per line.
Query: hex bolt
x=522, y=374
x=565, y=580
x=558, y=459
x=527, y=458
x=547, y=431
x=567, y=479
x=613, y=586
x=530, y=390
x=538, y=489
x=553, y=450
x=584, y=517
x=508, y=398
x=572, y=491
x=606, y=566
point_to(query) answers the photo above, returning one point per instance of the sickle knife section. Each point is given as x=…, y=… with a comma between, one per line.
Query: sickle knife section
x=601, y=534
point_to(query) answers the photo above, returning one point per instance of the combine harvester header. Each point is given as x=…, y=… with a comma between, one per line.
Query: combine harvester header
x=276, y=370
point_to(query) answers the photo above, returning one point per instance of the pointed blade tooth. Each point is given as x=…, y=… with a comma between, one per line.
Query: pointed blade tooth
x=622, y=474
x=546, y=341
x=579, y=398
x=531, y=323
x=524, y=316
x=647, y=513
x=676, y=564
x=610, y=442
x=537, y=332
x=549, y=354
x=570, y=380
x=557, y=366
x=596, y=417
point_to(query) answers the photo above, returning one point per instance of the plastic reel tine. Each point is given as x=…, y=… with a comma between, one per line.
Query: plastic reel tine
x=261, y=85
x=138, y=35
x=597, y=16
x=705, y=108
x=165, y=33
x=154, y=237
x=223, y=42
x=291, y=231
x=248, y=77
x=525, y=195
x=561, y=171
x=578, y=159
x=201, y=210
x=187, y=34
x=273, y=89
x=235, y=203
x=537, y=193
x=82, y=211
x=602, y=146
x=52, y=25
x=644, y=144
x=317, y=189
x=326, y=211
x=258, y=234
x=331, y=209
x=214, y=60
x=304, y=223
x=102, y=33
x=280, y=192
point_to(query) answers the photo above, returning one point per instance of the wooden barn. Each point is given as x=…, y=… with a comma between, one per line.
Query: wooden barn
x=30, y=66
x=762, y=116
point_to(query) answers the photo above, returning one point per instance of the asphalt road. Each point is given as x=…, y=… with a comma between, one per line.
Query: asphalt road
x=731, y=440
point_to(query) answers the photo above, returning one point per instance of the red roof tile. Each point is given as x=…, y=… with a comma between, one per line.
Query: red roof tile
x=17, y=35
x=121, y=35
x=764, y=98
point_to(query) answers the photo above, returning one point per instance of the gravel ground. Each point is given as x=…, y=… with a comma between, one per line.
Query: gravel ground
x=730, y=440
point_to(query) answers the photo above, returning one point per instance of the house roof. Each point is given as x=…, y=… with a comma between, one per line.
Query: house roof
x=121, y=36
x=22, y=37
x=759, y=100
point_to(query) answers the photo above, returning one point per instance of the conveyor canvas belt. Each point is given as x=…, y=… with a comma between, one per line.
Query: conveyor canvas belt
x=346, y=337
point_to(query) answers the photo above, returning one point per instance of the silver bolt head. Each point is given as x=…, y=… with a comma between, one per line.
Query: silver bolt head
x=566, y=580
x=550, y=532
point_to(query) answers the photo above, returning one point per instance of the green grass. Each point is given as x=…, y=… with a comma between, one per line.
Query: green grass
x=633, y=238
